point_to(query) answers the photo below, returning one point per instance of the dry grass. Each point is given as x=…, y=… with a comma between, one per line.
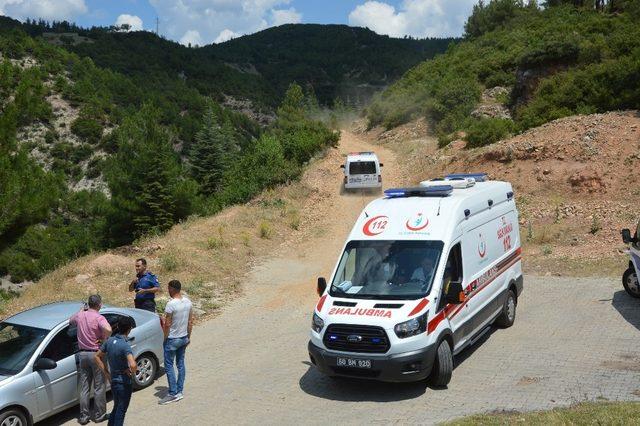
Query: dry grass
x=210, y=256
x=600, y=413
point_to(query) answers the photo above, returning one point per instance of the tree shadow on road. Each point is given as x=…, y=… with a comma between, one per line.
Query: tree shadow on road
x=628, y=307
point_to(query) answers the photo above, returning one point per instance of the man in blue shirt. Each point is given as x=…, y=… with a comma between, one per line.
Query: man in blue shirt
x=122, y=367
x=146, y=286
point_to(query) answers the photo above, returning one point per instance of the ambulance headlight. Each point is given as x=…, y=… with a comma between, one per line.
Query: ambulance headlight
x=317, y=324
x=412, y=327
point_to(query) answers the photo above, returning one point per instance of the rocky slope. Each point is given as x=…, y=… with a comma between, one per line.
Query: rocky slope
x=575, y=179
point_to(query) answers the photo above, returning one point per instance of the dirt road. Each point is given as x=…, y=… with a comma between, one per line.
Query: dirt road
x=574, y=339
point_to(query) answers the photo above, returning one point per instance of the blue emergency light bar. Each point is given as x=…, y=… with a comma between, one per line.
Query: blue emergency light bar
x=426, y=191
x=479, y=177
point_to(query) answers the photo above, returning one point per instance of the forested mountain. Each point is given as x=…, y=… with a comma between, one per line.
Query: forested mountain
x=107, y=136
x=335, y=60
x=544, y=63
x=332, y=60
x=91, y=158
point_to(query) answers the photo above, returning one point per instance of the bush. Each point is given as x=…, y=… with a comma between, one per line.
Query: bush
x=487, y=131
x=592, y=60
x=87, y=129
x=609, y=85
x=491, y=15
x=169, y=262
x=265, y=230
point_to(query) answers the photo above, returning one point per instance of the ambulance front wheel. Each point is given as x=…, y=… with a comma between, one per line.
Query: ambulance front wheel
x=630, y=283
x=508, y=315
x=443, y=366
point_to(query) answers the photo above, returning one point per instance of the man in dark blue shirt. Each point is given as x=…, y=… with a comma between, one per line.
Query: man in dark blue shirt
x=122, y=367
x=146, y=286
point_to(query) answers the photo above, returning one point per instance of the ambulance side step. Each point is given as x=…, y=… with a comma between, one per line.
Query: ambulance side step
x=478, y=336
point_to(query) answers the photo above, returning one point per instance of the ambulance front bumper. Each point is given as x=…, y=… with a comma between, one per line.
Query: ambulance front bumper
x=404, y=367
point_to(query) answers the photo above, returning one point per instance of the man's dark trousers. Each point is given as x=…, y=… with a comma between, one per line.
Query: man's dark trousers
x=121, y=389
x=146, y=304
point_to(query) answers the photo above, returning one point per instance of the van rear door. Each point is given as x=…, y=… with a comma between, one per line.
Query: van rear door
x=362, y=173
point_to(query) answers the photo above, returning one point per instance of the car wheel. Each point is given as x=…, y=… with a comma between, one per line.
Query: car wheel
x=13, y=418
x=146, y=372
x=630, y=283
x=508, y=315
x=443, y=366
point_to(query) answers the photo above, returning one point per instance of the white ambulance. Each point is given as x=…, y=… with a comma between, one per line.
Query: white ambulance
x=423, y=274
x=362, y=170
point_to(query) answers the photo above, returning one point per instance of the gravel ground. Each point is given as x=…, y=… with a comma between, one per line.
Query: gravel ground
x=573, y=340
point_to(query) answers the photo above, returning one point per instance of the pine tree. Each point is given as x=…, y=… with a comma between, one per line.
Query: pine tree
x=214, y=149
x=148, y=191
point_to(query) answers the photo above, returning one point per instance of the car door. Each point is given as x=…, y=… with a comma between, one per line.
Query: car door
x=57, y=389
x=113, y=318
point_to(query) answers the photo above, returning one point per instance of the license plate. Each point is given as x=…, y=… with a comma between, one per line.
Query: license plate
x=353, y=362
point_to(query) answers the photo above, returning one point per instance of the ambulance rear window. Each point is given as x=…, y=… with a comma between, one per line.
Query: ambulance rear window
x=362, y=168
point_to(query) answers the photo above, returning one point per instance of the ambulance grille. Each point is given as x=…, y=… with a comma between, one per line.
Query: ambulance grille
x=372, y=339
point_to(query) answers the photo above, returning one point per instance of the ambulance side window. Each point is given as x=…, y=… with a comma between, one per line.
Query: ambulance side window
x=452, y=271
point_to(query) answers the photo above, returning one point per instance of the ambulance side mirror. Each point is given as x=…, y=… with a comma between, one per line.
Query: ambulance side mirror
x=626, y=236
x=455, y=295
x=381, y=165
x=342, y=166
x=322, y=285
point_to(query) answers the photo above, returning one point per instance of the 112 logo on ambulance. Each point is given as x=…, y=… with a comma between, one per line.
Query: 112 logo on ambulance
x=375, y=226
x=504, y=233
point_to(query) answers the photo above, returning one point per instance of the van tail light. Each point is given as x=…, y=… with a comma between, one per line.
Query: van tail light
x=345, y=179
x=379, y=179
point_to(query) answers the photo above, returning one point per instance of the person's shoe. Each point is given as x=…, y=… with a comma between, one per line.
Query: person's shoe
x=179, y=396
x=83, y=421
x=168, y=400
x=102, y=418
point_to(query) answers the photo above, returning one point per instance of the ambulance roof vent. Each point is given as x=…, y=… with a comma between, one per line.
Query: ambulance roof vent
x=478, y=177
x=421, y=191
x=458, y=183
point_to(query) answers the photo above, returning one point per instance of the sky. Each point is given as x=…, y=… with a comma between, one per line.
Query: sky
x=200, y=22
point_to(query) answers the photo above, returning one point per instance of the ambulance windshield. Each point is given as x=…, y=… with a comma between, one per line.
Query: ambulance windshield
x=387, y=269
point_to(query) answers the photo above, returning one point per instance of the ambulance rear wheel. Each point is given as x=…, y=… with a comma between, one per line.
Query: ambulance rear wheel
x=630, y=283
x=508, y=315
x=443, y=366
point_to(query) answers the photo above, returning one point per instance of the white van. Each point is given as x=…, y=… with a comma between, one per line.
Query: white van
x=362, y=170
x=423, y=274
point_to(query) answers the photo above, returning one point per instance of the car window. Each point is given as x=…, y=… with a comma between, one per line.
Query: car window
x=63, y=345
x=362, y=168
x=17, y=345
x=113, y=318
x=452, y=272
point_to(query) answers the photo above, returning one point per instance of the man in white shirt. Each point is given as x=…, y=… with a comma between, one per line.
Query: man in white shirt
x=178, y=322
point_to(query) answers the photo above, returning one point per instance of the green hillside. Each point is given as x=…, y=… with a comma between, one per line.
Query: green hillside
x=333, y=60
x=555, y=62
x=91, y=158
x=336, y=60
